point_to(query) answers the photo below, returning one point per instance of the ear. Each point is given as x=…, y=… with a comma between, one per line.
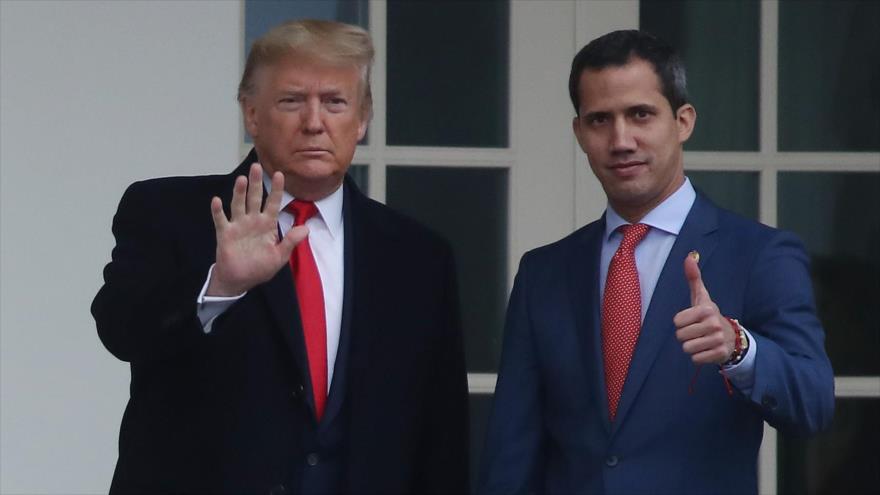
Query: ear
x=249, y=114
x=686, y=118
x=576, y=127
x=362, y=128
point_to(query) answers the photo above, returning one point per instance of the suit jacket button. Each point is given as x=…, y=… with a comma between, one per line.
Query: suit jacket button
x=278, y=490
x=312, y=459
x=297, y=391
x=768, y=401
x=611, y=461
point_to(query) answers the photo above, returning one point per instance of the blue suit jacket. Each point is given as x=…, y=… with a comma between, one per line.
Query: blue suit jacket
x=550, y=432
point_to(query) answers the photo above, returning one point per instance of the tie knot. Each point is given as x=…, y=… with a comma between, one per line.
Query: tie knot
x=301, y=210
x=633, y=235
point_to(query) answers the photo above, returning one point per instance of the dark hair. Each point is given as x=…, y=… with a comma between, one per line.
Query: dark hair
x=617, y=48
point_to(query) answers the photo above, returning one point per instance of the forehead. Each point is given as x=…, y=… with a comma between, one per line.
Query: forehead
x=630, y=84
x=308, y=73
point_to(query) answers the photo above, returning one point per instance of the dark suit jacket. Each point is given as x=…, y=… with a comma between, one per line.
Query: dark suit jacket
x=550, y=432
x=232, y=411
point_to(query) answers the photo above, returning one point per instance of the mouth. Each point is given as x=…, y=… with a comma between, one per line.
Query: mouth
x=628, y=168
x=312, y=151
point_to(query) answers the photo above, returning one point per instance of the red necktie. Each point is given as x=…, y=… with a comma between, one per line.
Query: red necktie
x=310, y=296
x=621, y=313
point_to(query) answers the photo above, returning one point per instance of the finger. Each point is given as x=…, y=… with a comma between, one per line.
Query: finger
x=220, y=221
x=273, y=203
x=716, y=355
x=691, y=332
x=293, y=237
x=255, y=188
x=701, y=341
x=239, y=190
x=699, y=294
x=692, y=315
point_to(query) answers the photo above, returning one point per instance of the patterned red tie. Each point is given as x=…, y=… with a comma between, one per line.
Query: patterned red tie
x=310, y=296
x=621, y=313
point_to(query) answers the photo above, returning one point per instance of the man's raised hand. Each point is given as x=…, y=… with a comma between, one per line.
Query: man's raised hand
x=704, y=333
x=248, y=250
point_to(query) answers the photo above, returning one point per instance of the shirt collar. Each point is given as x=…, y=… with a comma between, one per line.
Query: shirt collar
x=329, y=208
x=668, y=216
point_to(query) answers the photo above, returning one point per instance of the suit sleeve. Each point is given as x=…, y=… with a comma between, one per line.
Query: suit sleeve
x=146, y=309
x=514, y=441
x=794, y=383
x=445, y=468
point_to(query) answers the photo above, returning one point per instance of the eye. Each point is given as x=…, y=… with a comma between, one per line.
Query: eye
x=642, y=113
x=290, y=101
x=336, y=104
x=596, y=119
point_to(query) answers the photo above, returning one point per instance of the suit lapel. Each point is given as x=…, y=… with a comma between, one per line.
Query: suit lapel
x=584, y=289
x=671, y=295
x=364, y=264
x=340, y=370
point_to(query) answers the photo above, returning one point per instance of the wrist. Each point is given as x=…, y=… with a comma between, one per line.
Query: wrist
x=740, y=343
x=217, y=287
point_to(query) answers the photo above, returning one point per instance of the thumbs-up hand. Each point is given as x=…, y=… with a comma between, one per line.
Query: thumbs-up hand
x=704, y=333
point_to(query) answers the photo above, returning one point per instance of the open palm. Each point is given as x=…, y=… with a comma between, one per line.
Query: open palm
x=248, y=250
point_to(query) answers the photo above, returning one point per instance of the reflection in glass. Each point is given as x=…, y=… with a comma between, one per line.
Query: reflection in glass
x=736, y=191
x=718, y=41
x=843, y=460
x=448, y=73
x=838, y=217
x=829, y=75
x=467, y=206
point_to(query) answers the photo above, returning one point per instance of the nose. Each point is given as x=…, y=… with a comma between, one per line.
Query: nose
x=622, y=139
x=312, y=120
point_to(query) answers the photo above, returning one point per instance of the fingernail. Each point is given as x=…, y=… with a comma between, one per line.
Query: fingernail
x=695, y=255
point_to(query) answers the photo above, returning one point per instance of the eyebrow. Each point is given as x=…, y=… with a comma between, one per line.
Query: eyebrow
x=642, y=107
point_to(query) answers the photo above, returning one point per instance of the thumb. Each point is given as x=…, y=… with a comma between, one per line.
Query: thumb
x=293, y=237
x=699, y=294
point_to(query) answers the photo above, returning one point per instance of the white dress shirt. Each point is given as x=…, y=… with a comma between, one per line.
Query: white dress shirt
x=665, y=220
x=327, y=240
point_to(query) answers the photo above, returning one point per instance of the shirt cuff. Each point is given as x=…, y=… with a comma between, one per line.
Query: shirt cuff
x=210, y=307
x=742, y=374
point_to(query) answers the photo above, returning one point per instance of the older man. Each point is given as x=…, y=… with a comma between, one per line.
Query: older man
x=644, y=352
x=301, y=341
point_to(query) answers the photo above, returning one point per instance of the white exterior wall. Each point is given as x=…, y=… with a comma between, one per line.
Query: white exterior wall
x=93, y=96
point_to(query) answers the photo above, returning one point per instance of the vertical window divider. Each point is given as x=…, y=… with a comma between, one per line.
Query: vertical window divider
x=377, y=163
x=768, y=102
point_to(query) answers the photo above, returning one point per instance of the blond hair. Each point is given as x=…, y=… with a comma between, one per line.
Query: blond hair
x=325, y=41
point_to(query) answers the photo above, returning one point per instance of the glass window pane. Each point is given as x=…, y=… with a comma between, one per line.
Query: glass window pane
x=262, y=15
x=448, y=73
x=481, y=407
x=843, y=460
x=718, y=41
x=829, y=75
x=468, y=206
x=361, y=176
x=736, y=191
x=838, y=217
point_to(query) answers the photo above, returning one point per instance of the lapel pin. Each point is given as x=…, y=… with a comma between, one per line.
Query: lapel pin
x=695, y=255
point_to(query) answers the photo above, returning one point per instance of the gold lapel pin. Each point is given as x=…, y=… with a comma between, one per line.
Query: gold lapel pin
x=695, y=255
